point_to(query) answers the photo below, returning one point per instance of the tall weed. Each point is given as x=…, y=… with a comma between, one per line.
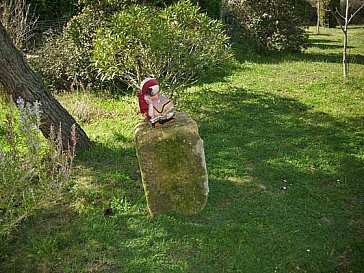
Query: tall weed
x=18, y=20
x=32, y=170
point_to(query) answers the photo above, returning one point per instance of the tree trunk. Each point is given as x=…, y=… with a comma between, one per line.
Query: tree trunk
x=318, y=17
x=19, y=80
x=345, y=55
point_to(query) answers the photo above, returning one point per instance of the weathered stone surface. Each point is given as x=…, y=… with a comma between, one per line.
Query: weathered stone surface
x=172, y=164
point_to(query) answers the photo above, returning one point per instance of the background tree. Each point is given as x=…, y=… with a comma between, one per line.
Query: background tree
x=326, y=17
x=354, y=5
x=318, y=11
x=19, y=80
x=323, y=16
x=344, y=21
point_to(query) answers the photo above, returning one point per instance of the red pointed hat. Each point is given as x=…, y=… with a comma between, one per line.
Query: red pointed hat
x=147, y=83
x=143, y=105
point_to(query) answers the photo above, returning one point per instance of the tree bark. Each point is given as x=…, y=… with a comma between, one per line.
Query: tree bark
x=19, y=80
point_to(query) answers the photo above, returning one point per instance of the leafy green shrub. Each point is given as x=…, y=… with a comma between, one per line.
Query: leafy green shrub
x=31, y=169
x=176, y=44
x=78, y=37
x=52, y=63
x=112, y=44
x=64, y=61
x=269, y=25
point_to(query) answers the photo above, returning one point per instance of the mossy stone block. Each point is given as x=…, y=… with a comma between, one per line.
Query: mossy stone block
x=172, y=164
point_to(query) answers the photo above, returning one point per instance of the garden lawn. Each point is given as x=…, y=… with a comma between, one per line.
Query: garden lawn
x=284, y=144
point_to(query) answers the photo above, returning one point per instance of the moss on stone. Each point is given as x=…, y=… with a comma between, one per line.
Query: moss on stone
x=172, y=165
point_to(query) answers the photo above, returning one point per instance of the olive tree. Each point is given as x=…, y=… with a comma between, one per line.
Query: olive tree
x=19, y=80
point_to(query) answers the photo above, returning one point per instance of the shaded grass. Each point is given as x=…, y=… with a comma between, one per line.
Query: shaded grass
x=284, y=148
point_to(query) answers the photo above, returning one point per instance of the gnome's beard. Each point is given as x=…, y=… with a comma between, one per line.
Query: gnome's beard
x=150, y=110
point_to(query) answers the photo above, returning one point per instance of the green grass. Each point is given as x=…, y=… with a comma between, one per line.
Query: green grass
x=284, y=148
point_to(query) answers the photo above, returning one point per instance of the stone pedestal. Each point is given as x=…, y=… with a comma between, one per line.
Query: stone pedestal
x=172, y=165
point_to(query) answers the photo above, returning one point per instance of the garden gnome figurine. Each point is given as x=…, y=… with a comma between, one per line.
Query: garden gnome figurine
x=156, y=108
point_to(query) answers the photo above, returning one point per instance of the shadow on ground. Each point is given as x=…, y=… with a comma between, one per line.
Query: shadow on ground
x=284, y=180
x=297, y=57
x=285, y=195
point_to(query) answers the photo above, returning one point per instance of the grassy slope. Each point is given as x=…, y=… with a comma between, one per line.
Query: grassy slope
x=284, y=148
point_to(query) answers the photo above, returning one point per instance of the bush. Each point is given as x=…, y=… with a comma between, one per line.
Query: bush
x=31, y=169
x=112, y=44
x=53, y=63
x=210, y=7
x=177, y=44
x=64, y=61
x=269, y=25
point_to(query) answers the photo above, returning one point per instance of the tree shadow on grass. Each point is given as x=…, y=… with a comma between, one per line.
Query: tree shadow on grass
x=283, y=179
x=113, y=168
x=268, y=124
x=333, y=58
x=327, y=46
x=76, y=235
x=277, y=58
x=320, y=41
x=314, y=42
x=320, y=34
x=285, y=194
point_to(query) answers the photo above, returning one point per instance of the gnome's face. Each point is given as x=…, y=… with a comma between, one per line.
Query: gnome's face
x=154, y=92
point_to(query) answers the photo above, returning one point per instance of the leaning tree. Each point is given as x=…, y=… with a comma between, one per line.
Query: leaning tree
x=19, y=80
